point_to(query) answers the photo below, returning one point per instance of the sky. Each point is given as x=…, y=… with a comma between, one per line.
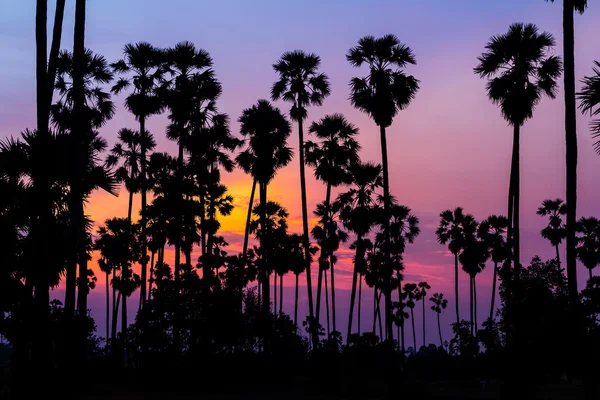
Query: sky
x=449, y=148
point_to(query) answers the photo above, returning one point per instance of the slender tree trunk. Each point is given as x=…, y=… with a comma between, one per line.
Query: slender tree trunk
x=475, y=304
x=359, y=303
x=381, y=332
x=319, y=287
x=266, y=253
x=386, y=227
x=412, y=320
x=571, y=147
x=54, y=52
x=424, y=340
x=374, y=310
x=280, y=294
x=296, y=301
x=471, y=301
x=143, y=161
x=124, y=327
x=331, y=264
x=315, y=337
x=358, y=257
x=107, y=310
x=274, y=292
x=440, y=329
x=115, y=315
x=114, y=302
x=188, y=257
x=456, y=286
x=151, y=275
x=516, y=195
x=557, y=256
x=590, y=272
x=327, y=304
x=402, y=320
x=130, y=205
x=248, y=219
x=494, y=290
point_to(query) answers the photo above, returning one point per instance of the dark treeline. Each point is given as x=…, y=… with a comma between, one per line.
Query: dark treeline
x=217, y=322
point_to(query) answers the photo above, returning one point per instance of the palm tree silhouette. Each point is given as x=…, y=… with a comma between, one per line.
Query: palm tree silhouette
x=331, y=158
x=267, y=131
x=452, y=231
x=556, y=231
x=588, y=249
x=357, y=214
x=520, y=70
x=439, y=304
x=569, y=8
x=422, y=288
x=493, y=231
x=401, y=316
x=381, y=94
x=141, y=67
x=412, y=294
x=590, y=100
x=301, y=84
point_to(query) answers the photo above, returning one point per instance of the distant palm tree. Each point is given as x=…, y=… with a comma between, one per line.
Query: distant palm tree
x=520, y=70
x=423, y=287
x=590, y=101
x=267, y=131
x=493, y=231
x=301, y=84
x=141, y=67
x=439, y=304
x=357, y=214
x=400, y=317
x=569, y=8
x=556, y=230
x=588, y=249
x=452, y=231
x=331, y=158
x=412, y=293
x=381, y=94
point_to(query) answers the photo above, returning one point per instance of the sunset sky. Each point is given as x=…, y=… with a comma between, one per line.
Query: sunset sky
x=450, y=148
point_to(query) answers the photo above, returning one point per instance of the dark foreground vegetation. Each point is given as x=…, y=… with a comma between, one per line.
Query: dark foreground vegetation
x=215, y=325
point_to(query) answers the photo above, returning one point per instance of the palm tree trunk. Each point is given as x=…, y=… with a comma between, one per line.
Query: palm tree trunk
x=440, y=329
x=248, y=218
x=274, y=292
x=471, y=301
x=280, y=293
x=516, y=195
x=305, y=227
x=571, y=147
x=107, y=310
x=475, y=304
x=327, y=303
x=456, y=285
x=374, y=310
x=557, y=256
x=150, y=277
x=144, y=261
x=266, y=252
x=424, y=341
x=296, y=301
x=188, y=257
x=381, y=333
x=179, y=220
x=590, y=272
x=386, y=226
x=319, y=287
x=124, y=327
x=354, y=283
x=412, y=320
x=401, y=326
x=114, y=322
x=331, y=266
x=494, y=290
x=359, y=304
x=54, y=51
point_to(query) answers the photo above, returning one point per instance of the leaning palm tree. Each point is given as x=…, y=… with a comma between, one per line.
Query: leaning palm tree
x=493, y=231
x=556, y=230
x=140, y=68
x=439, y=304
x=588, y=249
x=331, y=158
x=452, y=231
x=357, y=214
x=520, y=70
x=569, y=8
x=381, y=94
x=301, y=84
x=267, y=131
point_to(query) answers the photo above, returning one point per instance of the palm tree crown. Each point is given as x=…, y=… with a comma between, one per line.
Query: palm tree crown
x=590, y=101
x=555, y=231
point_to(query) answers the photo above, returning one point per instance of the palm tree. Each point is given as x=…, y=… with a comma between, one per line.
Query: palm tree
x=452, y=231
x=493, y=231
x=381, y=94
x=520, y=70
x=267, y=131
x=357, y=214
x=301, y=84
x=569, y=8
x=331, y=158
x=588, y=249
x=590, y=100
x=401, y=316
x=423, y=287
x=141, y=67
x=439, y=304
x=412, y=295
x=556, y=231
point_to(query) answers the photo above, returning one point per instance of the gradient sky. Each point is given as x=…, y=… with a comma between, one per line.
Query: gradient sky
x=449, y=148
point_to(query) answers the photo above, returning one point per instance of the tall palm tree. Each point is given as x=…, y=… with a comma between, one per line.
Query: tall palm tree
x=588, y=249
x=520, y=70
x=141, y=69
x=556, y=230
x=412, y=295
x=357, y=214
x=590, y=100
x=439, y=304
x=267, y=131
x=422, y=288
x=452, y=231
x=331, y=158
x=301, y=84
x=381, y=94
x=569, y=8
x=401, y=316
x=493, y=231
